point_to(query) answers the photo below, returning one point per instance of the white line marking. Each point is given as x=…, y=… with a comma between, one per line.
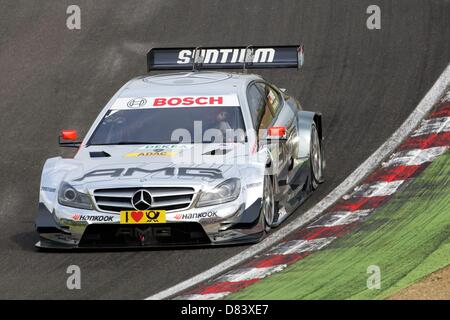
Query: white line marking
x=207, y=296
x=414, y=157
x=435, y=125
x=340, y=218
x=375, y=189
x=446, y=97
x=245, y=274
x=367, y=166
x=299, y=246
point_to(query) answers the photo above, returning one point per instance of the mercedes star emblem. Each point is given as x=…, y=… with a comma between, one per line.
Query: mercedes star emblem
x=142, y=200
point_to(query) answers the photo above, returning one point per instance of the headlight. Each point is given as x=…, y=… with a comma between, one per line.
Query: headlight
x=225, y=192
x=70, y=197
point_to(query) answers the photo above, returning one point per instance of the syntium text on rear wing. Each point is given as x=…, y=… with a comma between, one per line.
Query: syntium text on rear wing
x=250, y=57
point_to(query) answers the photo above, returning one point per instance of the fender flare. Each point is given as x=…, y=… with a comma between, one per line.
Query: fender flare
x=305, y=119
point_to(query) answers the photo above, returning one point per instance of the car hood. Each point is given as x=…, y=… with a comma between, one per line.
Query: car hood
x=193, y=165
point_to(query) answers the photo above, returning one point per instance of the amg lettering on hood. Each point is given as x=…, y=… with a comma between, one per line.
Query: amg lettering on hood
x=188, y=216
x=80, y=217
x=211, y=173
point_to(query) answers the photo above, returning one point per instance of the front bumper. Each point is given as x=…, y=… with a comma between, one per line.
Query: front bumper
x=65, y=230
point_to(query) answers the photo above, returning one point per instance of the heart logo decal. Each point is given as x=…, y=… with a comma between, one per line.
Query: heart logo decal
x=137, y=215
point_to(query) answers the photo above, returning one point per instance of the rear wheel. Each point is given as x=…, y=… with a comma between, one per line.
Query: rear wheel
x=268, y=203
x=315, y=157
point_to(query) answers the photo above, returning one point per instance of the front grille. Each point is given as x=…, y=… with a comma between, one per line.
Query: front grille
x=164, y=198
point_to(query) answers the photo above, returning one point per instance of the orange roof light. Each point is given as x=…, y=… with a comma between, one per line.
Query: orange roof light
x=69, y=135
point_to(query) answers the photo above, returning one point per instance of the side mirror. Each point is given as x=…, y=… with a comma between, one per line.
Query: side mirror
x=68, y=138
x=277, y=133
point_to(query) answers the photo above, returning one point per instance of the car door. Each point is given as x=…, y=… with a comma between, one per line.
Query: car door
x=270, y=111
x=283, y=117
x=261, y=115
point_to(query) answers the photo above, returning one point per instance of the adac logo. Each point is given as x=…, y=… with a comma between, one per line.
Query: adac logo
x=162, y=153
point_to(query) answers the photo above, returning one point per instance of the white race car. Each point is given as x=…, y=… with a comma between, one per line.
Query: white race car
x=192, y=158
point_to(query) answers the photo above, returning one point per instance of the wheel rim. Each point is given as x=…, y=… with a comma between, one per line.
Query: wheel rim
x=268, y=206
x=316, y=160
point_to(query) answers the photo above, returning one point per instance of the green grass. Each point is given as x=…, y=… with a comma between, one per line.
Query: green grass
x=408, y=238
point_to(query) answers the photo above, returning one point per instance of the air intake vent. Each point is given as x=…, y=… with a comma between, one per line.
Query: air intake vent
x=99, y=154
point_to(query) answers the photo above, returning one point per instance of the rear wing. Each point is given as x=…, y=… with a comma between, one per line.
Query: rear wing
x=249, y=57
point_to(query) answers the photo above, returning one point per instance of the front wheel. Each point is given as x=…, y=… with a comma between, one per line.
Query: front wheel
x=268, y=203
x=315, y=157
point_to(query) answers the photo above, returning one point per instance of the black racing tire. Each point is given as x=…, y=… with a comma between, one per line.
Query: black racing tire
x=315, y=157
x=268, y=203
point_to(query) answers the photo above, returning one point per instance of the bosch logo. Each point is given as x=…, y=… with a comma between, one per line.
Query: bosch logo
x=142, y=200
x=136, y=103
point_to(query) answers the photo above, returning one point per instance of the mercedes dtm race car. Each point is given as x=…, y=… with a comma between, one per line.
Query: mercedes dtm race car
x=192, y=158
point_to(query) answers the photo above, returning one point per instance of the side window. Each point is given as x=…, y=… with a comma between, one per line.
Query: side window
x=256, y=103
x=267, y=116
x=273, y=98
x=262, y=116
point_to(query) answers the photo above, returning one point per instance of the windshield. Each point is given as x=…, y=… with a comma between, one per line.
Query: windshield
x=170, y=125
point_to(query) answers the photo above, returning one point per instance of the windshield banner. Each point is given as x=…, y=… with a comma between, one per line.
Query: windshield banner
x=230, y=100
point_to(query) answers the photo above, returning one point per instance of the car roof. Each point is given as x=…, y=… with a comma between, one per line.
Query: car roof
x=188, y=83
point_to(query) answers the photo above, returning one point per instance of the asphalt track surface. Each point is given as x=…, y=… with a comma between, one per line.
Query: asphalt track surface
x=365, y=82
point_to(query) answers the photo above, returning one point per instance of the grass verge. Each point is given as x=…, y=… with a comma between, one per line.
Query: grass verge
x=408, y=238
